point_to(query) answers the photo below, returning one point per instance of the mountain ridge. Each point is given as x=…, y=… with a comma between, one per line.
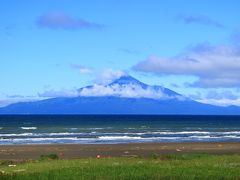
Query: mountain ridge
x=115, y=103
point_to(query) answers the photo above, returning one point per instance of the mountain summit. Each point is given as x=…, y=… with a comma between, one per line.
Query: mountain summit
x=126, y=79
x=125, y=95
x=128, y=87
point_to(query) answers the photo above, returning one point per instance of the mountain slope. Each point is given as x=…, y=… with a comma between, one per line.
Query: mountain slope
x=117, y=103
x=126, y=80
x=127, y=86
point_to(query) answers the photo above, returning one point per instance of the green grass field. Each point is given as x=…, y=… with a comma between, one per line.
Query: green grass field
x=181, y=166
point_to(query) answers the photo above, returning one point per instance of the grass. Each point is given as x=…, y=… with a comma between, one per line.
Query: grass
x=48, y=157
x=176, y=166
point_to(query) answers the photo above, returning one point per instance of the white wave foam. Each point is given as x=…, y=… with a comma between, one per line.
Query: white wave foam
x=231, y=132
x=195, y=132
x=61, y=134
x=108, y=136
x=201, y=137
x=40, y=134
x=179, y=132
x=28, y=128
x=39, y=139
x=118, y=137
x=237, y=137
x=16, y=135
x=73, y=129
x=91, y=128
x=109, y=139
x=213, y=137
x=136, y=138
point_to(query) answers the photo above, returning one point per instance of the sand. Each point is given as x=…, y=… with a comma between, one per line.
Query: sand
x=73, y=151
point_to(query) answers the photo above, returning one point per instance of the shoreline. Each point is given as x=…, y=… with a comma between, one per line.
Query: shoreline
x=76, y=151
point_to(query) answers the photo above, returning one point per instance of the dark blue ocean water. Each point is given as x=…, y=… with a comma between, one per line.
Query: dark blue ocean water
x=117, y=129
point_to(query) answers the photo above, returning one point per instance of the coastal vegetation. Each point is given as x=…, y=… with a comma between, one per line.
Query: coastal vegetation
x=174, y=166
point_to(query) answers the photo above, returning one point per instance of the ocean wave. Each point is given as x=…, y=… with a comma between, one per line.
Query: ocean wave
x=29, y=128
x=201, y=137
x=70, y=134
x=214, y=137
x=16, y=135
x=61, y=134
x=90, y=128
x=231, y=132
x=38, y=139
x=104, y=139
x=136, y=128
x=136, y=138
x=126, y=134
x=237, y=137
x=194, y=132
x=118, y=137
x=73, y=129
x=114, y=139
x=181, y=132
x=40, y=134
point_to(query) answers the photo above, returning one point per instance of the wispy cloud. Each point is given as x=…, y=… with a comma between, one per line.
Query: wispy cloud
x=217, y=97
x=6, y=102
x=221, y=102
x=116, y=90
x=214, y=66
x=200, y=19
x=227, y=94
x=82, y=69
x=108, y=75
x=51, y=93
x=10, y=99
x=15, y=96
x=102, y=78
x=129, y=51
x=60, y=20
x=8, y=29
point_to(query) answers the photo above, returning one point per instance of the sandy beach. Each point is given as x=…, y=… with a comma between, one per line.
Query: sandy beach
x=73, y=151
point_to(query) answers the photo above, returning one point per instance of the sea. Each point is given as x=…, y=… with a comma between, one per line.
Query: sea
x=116, y=129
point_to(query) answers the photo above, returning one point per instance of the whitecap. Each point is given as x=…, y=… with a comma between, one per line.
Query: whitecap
x=179, y=132
x=231, y=132
x=10, y=135
x=28, y=128
x=236, y=137
x=117, y=137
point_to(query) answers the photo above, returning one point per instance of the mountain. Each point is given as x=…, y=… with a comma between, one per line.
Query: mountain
x=124, y=84
x=126, y=80
x=125, y=95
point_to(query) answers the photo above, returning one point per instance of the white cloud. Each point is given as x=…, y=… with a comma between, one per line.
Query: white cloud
x=8, y=101
x=215, y=66
x=5, y=102
x=61, y=20
x=217, y=97
x=129, y=91
x=221, y=102
x=200, y=19
x=97, y=90
x=108, y=75
x=82, y=69
x=226, y=94
x=85, y=70
x=58, y=93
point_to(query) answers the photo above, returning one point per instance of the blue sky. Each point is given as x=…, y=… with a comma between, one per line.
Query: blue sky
x=56, y=46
